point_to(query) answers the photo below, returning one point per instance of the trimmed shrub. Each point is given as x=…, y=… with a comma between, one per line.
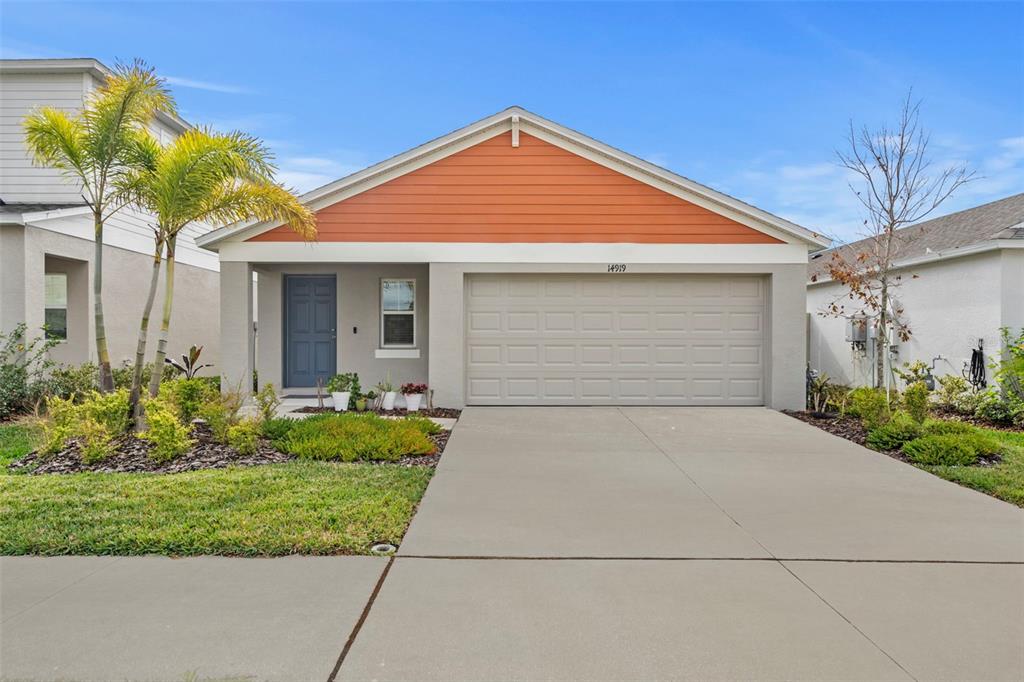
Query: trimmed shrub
x=951, y=387
x=69, y=381
x=94, y=440
x=267, y=402
x=60, y=425
x=220, y=413
x=245, y=436
x=871, y=405
x=170, y=438
x=108, y=409
x=949, y=450
x=968, y=402
x=426, y=425
x=276, y=429
x=944, y=427
x=187, y=396
x=915, y=401
x=96, y=422
x=351, y=437
x=894, y=433
x=993, y=407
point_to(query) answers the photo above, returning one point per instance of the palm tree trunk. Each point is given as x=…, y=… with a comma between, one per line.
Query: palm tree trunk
x=140, y=347
x=106, y=378
x=165, y=324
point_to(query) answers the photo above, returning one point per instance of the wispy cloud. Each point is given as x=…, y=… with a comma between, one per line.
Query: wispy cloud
x=304, y=173
x=207, y=85
x=817, y=195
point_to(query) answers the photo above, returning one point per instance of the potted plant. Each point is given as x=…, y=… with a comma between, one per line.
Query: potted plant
x=387, y=393
x=341, y=387
x=360, y=402
x=413, y=395
x=369, y=400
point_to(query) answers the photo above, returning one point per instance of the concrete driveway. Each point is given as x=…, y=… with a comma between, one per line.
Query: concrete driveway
x=579, y=544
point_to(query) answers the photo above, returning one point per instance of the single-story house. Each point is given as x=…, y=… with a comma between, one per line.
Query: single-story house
x=47, y=238
x=518, y=262
x=962, y=279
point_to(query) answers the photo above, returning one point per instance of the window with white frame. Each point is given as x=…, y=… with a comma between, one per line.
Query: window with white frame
x=56, y=306
x=398, y=313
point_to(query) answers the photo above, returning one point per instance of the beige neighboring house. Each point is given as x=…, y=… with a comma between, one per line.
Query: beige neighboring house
x=963, y=279
x=46, y=236
x=518, y=262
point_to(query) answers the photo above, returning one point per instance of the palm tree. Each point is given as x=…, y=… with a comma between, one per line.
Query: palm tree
x=90, y=148
x=206, y=177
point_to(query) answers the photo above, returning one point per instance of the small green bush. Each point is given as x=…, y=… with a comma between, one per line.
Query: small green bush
x=267, y=402
x=994, y=408
x=108, y=409
x=949, y=450
x=60, y=425
x=123, y=374
x=276, y=429
x=169, y=436
x=894, y=433
x=915, y=401
x=351, y=437
x=68, y=381
x=968, y=402
x=426, y=425
x=187, y=396
x=946, y=427
x=951, y=387
x=870, y=405
x=220, y=412
x=95, y=440
x=245, y=436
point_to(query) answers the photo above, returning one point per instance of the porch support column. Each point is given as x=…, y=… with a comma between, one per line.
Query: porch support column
x=13, y=294
x=445, y=366
x=237, y=341
x=788, y=328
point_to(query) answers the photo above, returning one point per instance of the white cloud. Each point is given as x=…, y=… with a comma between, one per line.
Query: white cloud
x=207, y=85
x=304, y=173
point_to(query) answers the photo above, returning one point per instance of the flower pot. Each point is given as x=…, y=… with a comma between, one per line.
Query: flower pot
x=361, y=405
x=388, y=402
x=412, y=401
x=341, y=400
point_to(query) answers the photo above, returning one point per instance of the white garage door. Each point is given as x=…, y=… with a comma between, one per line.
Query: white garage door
x=615, y=339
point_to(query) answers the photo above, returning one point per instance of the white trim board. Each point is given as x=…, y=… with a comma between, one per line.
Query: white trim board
x=552, y=133
x=463, y=252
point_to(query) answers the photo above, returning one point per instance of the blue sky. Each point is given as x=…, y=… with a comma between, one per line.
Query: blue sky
x=751, y=99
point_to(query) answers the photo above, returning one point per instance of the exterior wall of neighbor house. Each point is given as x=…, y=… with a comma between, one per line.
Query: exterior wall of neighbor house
x=950, y=304
x=28, y=253
x=358, y=307
x=785, y=334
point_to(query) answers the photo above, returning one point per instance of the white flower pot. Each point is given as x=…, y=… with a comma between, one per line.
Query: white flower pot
x=412, y=401
x=341, y=400
x=389, y=400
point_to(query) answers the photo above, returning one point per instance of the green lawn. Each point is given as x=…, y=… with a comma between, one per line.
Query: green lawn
x=293, y=508
x=1005, y=480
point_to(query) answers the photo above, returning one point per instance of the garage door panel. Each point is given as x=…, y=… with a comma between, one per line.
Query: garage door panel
x=615, y=339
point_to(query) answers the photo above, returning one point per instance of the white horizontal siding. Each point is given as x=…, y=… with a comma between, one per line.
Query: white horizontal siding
x=20, y=179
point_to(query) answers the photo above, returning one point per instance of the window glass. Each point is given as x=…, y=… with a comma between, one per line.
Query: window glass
x=398, y=330
x=398, y=295
x=56, y=303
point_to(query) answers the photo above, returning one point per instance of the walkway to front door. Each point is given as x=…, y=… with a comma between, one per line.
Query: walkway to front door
x=310, y=333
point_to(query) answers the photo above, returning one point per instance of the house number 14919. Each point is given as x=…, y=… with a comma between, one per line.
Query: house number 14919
x=616, y=267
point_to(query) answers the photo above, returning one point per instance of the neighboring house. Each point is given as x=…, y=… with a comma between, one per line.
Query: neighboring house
x=46, y=236
x=515, y=261
x=962, y=279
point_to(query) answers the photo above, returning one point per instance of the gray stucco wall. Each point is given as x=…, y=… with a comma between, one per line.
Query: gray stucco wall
x=358, y=306
x=786, y=333
x=26, y=253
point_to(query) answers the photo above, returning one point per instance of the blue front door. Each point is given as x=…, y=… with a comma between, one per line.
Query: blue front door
x=310, y=329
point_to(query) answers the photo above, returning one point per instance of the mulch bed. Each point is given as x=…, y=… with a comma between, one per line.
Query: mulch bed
x=851, y=429
x=131, y=455
x=439, y=412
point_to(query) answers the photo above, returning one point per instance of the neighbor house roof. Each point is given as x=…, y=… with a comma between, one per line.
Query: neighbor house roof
x=12, y=213
x=93, y=67
x=962, y=233
x=511, y=119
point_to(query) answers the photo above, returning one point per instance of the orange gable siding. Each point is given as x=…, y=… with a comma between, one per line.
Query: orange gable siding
x=494, y=192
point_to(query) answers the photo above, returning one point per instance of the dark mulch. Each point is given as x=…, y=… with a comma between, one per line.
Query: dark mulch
x=952, y=415
x=439, y=412
x=131, y=455
x=851, y=429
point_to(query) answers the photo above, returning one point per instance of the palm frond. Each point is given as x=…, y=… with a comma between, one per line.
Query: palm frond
x=57, y=140
x=261, y=201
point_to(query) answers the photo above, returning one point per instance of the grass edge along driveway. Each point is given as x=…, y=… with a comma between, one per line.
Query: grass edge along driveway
x=293, y=508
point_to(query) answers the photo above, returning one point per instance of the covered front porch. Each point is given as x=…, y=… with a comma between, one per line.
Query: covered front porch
x=297, y=324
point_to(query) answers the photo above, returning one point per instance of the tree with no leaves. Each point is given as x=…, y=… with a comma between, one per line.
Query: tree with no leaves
x=897, y=186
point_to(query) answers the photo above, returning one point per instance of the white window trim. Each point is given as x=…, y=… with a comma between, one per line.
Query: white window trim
x=383, y=313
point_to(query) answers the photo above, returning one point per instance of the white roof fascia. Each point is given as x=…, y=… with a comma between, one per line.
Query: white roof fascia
x=950, y=254
x=501, y=122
